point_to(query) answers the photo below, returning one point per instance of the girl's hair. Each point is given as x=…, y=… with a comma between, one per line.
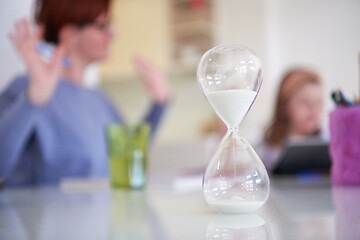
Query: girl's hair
x=291, y=82
x=52, y=15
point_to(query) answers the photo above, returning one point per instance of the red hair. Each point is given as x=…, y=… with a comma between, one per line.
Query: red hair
x=291, y=82
x=55, y=14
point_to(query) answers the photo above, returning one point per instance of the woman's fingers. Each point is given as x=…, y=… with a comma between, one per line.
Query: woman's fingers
x=15, y=36
x=14, y=40
x=19, y=29
x=140, y=65
x=58, y=56
x=39, y=33
x=25, y=40
x=18, y=36
x=26, y=29
x=155, y=81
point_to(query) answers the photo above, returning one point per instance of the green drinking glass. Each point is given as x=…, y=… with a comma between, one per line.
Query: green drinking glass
x=128, y=152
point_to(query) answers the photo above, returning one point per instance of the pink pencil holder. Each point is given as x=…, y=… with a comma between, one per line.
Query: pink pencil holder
x=345, y=145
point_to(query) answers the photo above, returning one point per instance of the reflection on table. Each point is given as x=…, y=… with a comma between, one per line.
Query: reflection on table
x=295, y=210
x=298, y=208
x=236, y=226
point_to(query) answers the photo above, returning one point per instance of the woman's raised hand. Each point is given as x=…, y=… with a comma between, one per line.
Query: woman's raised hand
x=155, y=81
x=44, y=74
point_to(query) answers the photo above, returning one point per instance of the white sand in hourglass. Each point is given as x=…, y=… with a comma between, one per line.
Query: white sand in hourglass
x=231, y=105
x=236, y=205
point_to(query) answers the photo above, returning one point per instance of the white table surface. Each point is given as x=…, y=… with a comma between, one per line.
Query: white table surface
x=298, y=208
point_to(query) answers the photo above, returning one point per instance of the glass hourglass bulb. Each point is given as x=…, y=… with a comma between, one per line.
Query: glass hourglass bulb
x=235, y=180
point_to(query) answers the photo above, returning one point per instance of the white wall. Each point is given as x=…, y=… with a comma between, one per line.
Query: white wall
x=322, y=34
x=10, y=63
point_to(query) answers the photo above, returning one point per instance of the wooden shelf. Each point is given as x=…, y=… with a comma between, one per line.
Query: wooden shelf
x=191, y=31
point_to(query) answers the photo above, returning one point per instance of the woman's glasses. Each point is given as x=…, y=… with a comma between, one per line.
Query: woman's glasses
x=103, y=26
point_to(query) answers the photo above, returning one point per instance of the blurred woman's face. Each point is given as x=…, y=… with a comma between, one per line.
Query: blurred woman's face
x=94, y=39
x=305, y=109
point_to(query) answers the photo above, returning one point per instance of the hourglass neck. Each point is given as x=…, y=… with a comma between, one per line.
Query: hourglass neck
x=233, y=129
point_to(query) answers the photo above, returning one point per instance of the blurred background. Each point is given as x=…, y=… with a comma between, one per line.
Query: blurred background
x=173, y=34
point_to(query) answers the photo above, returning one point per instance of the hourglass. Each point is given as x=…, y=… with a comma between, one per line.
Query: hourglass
x=235, y=180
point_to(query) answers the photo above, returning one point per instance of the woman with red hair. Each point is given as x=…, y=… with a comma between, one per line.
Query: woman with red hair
x=297, y=114
x=51, y=126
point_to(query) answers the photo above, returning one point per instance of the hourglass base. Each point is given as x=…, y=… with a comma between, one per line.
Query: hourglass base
x=236, y=206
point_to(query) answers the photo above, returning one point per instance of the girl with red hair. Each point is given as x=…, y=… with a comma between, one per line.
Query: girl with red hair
x=297, y=114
